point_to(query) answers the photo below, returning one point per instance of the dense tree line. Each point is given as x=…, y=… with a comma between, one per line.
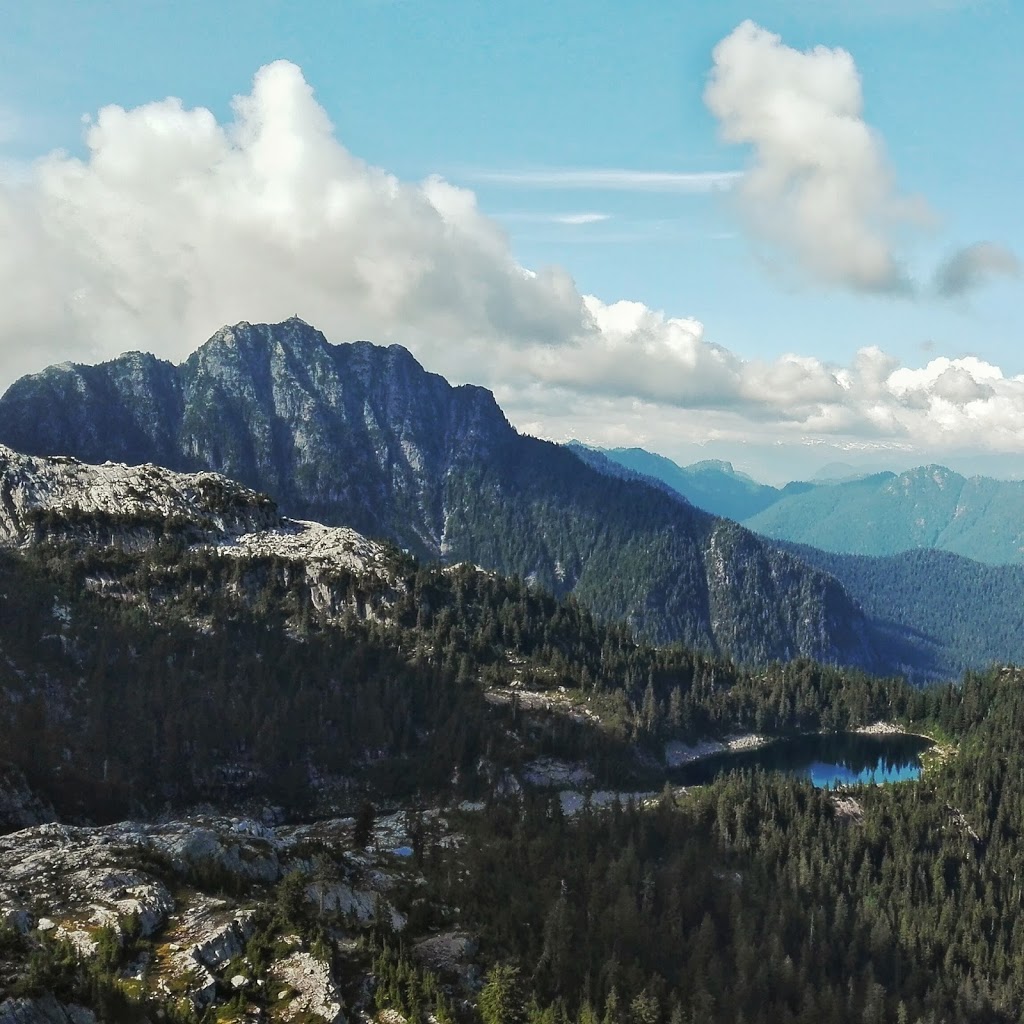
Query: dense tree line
x=757, y=899
x=178, y=674
x=938, y=612
x=753, y=899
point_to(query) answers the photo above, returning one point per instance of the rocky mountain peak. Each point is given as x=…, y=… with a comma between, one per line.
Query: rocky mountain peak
x=362, y=436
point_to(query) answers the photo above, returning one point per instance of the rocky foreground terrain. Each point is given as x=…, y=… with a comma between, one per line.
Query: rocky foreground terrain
x=197, y=913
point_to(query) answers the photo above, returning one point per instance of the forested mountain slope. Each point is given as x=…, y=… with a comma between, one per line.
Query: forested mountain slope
x=945, y=613
x=177, y=639
x=362, y=436
x=169, y=639
x=933, y=614
x=884, y=514
x=872, y=514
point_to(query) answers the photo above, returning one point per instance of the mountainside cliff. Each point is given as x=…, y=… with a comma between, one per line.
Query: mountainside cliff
x=363, y=436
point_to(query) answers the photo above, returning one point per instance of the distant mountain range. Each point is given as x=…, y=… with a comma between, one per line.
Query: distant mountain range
x=933, y=613
x=712, y=485
x=930, y=507
x=362, y=436
x=886, y=513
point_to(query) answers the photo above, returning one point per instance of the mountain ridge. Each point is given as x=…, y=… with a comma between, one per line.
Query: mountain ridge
x=712, y=485
x=877, y=514
x=363, y=436
x=883, y=514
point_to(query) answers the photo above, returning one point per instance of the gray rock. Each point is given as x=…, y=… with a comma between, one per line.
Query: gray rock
x=19, y=806
x=78, y=874
x=316, y=990
x=45, y=1010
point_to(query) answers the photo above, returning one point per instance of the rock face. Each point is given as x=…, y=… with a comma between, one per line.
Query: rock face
x=45, y=1010
x=363, y=436
x=121, y=503
x=81, y=876
x=134, y=507
x=19, y=806
x=147, y=879
x=316, y=991
x=353, y=434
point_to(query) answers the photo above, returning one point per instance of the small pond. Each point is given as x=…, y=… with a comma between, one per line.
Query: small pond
x=838, y=759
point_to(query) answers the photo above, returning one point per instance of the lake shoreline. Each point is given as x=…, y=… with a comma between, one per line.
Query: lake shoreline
x=677, y=754
x=828, y=759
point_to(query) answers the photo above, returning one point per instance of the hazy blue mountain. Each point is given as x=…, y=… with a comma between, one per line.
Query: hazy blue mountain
x=602, y=461
x=886, y=513
x=363, y=436
x=712, y=485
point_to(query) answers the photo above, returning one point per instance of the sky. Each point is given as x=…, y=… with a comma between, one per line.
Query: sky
x=781, y=233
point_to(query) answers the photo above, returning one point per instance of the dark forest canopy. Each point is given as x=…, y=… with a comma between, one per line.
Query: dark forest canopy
x=179, y=675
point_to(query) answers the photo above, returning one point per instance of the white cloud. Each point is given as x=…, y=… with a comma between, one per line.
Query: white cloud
x=973, y=266
x=819, y=187
x=610, y=179
x=174, y=224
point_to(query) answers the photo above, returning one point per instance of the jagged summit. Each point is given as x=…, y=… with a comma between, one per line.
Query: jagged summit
x=362, y=436
x=327, y=429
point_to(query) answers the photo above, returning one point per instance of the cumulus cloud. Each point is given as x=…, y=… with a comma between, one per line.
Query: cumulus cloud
x=174, y=224
x=819, y=187
x=947, y=406
x=974, y=265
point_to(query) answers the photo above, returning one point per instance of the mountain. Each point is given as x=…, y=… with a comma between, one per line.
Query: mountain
x=353, y=434
x=712, y=485
x=838, y=472
x=284, y=657
x=600, y=460
x=363, y=436
x=849, y=512
x=883, y=514
x=331, y=811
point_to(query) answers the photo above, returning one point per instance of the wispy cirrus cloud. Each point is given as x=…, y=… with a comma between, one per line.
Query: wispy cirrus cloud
x=616, y=179
x=570, y=219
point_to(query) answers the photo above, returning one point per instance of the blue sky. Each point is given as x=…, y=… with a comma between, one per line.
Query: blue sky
x=532, y=106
